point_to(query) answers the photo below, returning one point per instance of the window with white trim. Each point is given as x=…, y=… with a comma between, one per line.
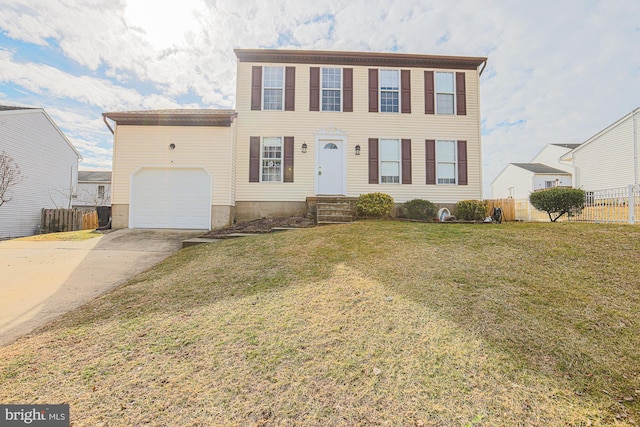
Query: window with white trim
x=389, y=161
x=273, y=88
x=445, y=93
x=101, y=192
x=446, y=158
x=271, y=159
x=389, y=91
x=331, y=83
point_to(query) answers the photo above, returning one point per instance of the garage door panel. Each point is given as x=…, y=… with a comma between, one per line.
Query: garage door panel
x=171, y=198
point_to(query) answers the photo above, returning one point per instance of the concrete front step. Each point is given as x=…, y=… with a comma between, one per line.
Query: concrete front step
x=335, y=220
x=332, y=210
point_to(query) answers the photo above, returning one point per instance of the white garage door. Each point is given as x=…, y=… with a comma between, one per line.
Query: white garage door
x=170, y=198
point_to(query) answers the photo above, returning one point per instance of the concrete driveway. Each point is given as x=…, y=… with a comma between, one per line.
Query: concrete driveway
x=40, y=280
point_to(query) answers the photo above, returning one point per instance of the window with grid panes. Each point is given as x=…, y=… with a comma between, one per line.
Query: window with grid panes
x=273, y=88
x=389, y=161
x=271, y=160
x=389, y=91
x=446, y=162
x=445, y=93
x=331, y=89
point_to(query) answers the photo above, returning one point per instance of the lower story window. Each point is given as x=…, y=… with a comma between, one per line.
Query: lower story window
x=271, y=160
x=389, y=161
x=446, y=157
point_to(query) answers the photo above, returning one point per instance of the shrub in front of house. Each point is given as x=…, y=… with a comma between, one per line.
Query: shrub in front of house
x=374, y=205
x=419, y=209
x=558, y=201
x=471, y=210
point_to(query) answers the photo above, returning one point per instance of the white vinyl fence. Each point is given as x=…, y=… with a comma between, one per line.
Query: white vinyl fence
x=613, y=205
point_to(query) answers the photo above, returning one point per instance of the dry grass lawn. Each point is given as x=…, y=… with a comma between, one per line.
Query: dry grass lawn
x=63, y=236
x=375, y=323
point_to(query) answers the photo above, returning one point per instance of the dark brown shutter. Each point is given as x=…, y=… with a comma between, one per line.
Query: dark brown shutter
x=290, y=89
x=256, y=88
x=288, y=159
x=462, y=163
x=461, y=95
x=373, y=90
x=254, y=159
x=314, y=89
x=347, y=90
x=406, y=161
x=373, y=161
x=429, y=93
x=405, y=87
x=430, y=145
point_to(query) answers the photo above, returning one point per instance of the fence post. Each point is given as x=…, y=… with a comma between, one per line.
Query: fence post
x=632, y=205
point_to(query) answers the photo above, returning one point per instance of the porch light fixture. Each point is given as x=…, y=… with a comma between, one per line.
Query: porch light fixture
x=358, y=150
x=304, y=147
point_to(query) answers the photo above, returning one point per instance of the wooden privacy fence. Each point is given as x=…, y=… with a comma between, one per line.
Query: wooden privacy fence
x=508, y=207
x=55, y=220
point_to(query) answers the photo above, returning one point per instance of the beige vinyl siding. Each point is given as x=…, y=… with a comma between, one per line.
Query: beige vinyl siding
x=359, y=126
x=606, y=161
x=196, y=146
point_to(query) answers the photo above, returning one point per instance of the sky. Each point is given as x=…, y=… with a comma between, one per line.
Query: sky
x=558, y=71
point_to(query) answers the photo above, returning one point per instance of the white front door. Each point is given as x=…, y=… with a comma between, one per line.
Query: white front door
x=330, y=166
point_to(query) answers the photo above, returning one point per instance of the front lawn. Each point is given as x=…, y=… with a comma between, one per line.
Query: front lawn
x=374, y=323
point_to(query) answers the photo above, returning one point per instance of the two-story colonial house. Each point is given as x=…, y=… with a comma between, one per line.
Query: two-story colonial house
x=307, y=125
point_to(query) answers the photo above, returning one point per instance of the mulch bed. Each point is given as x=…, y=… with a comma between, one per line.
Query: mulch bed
x=262, y=225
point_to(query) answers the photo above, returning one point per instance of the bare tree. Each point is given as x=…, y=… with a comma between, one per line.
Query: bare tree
x=95, y=196
x=10, y=176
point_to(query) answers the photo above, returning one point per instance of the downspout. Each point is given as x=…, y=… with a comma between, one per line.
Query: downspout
x=72, y=187
x=484, y=65
x=104, y=118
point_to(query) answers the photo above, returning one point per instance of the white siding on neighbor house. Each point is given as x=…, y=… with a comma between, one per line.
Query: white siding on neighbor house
x=514, y=182
x=88, y=194
x=207, y=147
x=358, y=126
x=540, y=181
x=517, y=182
x=607, y=159
x=48, y=164
x=550, y=156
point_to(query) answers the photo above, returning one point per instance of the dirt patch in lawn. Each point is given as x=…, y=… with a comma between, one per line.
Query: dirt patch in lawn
x=263, y=225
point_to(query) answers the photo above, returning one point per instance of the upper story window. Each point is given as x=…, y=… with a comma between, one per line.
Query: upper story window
x=271, y=160
x=273, y=88
x=101, y=191
x=389, y=91
x=446, y=156
x=445, y=93
x=389, y=161
x=331, y=89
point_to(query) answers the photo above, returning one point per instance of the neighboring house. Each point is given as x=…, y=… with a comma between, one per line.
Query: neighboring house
x=94, y=189
x=518, y=180
x=48, y=163
x=307, y=124
x=609, y=159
